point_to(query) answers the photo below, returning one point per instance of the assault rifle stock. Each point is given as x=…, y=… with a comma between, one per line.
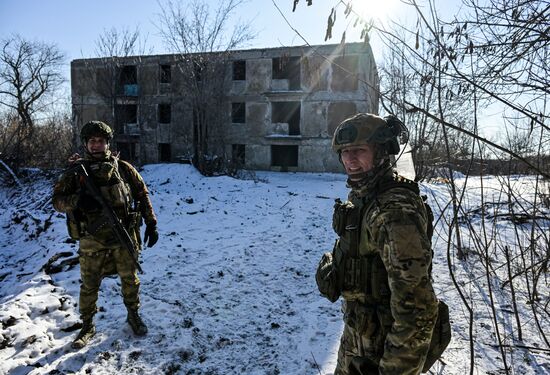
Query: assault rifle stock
x=118, y=229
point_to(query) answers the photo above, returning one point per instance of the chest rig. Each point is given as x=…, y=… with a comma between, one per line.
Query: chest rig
x=112, y=182
x=361, y=272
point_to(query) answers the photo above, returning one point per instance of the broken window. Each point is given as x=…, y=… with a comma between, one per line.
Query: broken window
x=127, y=151
x=165, y=152
x=128, y=80
x=126, y=119
x=238, y=154
x=164, y=113
x=165, y=74
x=287, y=67
x=289, y=113
x=284, y=156
x=238, y=113
x=344, y=73
x=239, y=70
x=128, y=75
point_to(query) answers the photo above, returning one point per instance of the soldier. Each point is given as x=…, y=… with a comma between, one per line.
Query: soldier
x=100, y=252
x=381, y=262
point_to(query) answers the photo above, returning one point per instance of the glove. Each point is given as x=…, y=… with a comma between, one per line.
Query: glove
x=363, y=365
x=87, y=203
x=151, y=235
x=326, y=278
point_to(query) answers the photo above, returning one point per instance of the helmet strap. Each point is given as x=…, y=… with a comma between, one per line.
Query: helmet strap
x=363, y=179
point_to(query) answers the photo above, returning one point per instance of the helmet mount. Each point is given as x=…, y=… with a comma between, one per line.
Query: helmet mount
x=369, y=129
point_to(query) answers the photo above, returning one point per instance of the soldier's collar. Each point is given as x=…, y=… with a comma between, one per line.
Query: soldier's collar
x=105, y=157
x=370, y=182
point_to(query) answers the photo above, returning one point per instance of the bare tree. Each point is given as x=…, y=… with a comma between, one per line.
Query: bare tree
x=490, y=44
x=30, y=73
x=51, y=140
x=493, y=52
x=406, y=80
x=201, y=37
x=112, y=48
x=113, y=42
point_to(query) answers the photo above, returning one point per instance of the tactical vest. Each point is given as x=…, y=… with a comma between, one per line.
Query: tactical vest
x=359, y=275
x=112, y=181
x=363, y=275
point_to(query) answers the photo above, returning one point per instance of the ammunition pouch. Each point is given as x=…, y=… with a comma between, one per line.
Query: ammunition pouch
x=73, y=225
x=109, y=267
x=340, y=216
x=441, y=336
x=361, y=317
x=133, y=224
x=357, y=273
x=94, y=224
x=345, y=222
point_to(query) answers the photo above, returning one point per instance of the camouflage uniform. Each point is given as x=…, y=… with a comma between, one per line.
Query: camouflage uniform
x=101, y=253
x=380, y=265
x=389, y=303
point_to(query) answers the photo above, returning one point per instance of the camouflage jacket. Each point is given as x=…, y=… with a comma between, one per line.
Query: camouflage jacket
x=389, y=273
x=67, y=189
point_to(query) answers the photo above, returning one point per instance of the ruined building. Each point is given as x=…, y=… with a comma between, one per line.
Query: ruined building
x=280, y=105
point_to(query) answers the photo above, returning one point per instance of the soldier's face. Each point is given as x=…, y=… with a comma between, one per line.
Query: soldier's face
x=357, y=160
x=97, y=146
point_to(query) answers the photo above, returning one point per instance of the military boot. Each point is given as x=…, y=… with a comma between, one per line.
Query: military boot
x=85, y=334
x=139, y=328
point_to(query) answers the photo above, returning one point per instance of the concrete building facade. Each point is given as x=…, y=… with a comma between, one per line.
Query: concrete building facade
x=282, y=104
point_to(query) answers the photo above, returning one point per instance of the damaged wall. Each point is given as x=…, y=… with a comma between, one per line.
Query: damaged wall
x=282, y=106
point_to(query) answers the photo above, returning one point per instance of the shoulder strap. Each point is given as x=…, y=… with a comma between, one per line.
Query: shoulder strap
x=122, y=170
x=399, y=181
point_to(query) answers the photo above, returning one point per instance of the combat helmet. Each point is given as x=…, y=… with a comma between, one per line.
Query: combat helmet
x=369, y=129
x=95, y=129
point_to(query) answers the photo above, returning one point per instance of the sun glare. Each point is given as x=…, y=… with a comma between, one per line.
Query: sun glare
x=374, y=10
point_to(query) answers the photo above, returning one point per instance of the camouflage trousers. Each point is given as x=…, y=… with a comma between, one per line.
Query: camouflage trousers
x=95, y=263
x=362, y=342
x=356, y=355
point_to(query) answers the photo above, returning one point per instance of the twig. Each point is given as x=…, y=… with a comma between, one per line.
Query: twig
x=546, y=351
x=316, y=364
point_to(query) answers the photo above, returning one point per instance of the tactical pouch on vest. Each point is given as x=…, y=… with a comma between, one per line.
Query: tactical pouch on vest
x=133, y=224
x=73, y=226
x=339, y=216
x=109, y=265
x=362, y=318
x=441, y=336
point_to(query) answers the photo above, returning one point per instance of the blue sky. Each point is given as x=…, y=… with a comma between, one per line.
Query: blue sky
x=75, y=25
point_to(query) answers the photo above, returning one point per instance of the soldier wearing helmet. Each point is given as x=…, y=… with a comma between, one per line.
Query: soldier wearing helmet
x=100, y=252
x=380, y=265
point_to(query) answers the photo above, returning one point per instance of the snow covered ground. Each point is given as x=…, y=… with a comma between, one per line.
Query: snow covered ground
x=228, y=289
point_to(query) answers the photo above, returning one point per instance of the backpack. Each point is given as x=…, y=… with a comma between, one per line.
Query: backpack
x=441, y=336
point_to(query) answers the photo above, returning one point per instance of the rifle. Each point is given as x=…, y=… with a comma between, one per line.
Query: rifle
x=118, y=229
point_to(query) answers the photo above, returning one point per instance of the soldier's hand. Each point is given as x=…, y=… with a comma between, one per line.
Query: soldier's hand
x=151, y=235
x=73, y=158
x=87, y=203
x=326, y=278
